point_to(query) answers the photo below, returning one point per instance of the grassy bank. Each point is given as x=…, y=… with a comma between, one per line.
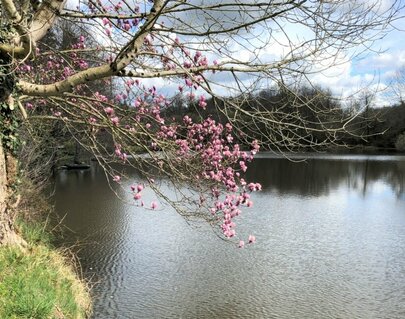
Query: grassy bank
x=39, y=281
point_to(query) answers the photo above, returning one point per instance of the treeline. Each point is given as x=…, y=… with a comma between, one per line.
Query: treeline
x=303, y=118
x=386, y=125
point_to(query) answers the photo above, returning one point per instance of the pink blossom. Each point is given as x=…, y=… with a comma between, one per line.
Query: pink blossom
x=100, y=97
x=115, y=120
x=118, y=6
x=252, y=239
x=67, y=71
x=203, y=61
x=137, y=196
x=187, y=120
x=139, y=187
x=243, y=166
x=241, y=244
x=197, y=56
x=92, y=120
x=153, y=205
x=83, y=64
x=126, y=26
x=255, y=147
x=202, y=102
x=254, y=187
x=118, y=151
x=109, y=110
x=230, y=233
x=187, y=64
x=117, y=178
x=189, y=83
x=148, y=40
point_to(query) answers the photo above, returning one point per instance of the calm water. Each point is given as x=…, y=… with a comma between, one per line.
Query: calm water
x=330, y=244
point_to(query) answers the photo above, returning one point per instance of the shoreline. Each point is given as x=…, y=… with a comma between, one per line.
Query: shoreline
x=40, y=280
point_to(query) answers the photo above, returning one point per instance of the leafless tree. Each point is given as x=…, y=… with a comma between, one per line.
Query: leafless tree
x=398, y=85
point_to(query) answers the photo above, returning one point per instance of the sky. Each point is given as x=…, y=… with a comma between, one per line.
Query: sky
x=372, y=71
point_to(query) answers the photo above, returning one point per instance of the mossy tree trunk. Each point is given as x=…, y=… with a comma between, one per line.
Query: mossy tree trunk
x=8, y=169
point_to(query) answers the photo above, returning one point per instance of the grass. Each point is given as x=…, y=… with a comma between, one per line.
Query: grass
x=39, y=284
x=39, y=281
x=34, y=232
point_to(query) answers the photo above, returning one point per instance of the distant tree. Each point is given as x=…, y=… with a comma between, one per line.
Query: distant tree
x=202, y=48
x=400, y=142
x=398, y=85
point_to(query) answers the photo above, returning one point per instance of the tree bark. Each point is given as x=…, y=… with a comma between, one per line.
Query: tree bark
x=8, y=235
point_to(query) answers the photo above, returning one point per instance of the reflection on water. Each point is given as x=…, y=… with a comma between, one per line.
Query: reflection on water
x=317, y=177
x=331, y=244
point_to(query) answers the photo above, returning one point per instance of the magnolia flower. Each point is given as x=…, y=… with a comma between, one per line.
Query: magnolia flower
x=115, y=120
x=189, y=83
x=109, y=110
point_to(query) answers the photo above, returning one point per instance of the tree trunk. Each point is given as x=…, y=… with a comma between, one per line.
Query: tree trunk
x=8, y=236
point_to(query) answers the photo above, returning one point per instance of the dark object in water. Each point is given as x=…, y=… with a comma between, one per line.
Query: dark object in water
x=77, y=166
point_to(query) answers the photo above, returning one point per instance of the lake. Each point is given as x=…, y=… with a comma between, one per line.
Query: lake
x=330, y=244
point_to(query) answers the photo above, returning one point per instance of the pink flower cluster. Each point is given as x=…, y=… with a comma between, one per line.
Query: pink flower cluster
x=136, y=190
x=121, y=155
x=221, y=163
